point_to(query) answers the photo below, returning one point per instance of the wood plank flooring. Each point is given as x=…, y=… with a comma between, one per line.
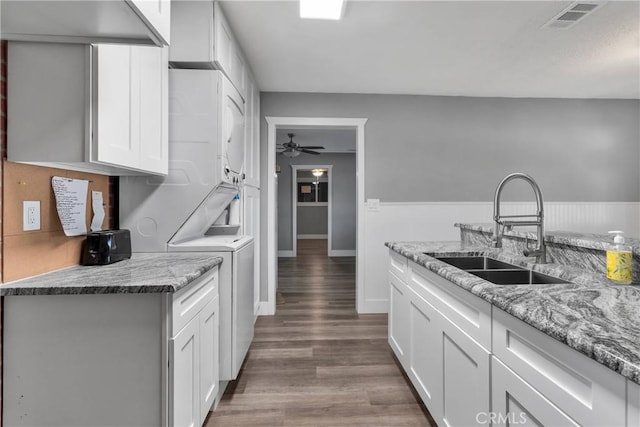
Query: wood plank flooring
x=317, y=362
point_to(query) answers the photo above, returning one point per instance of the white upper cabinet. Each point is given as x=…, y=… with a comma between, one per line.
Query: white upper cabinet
x=100, y=109
x=252, y=134
x=202, y=38
x=114, y=21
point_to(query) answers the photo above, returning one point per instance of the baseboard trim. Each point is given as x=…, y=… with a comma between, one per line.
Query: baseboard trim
x=311, y=236
x=263, y=309
x=373, y=307
x=286, y=254
x=342, y=252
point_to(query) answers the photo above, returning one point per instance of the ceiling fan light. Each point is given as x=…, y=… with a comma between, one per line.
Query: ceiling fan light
x=317, y=172
x=291, y=153
x=321, y=9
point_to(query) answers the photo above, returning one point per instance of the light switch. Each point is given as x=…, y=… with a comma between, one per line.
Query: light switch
x=373, y=205
x=31, y=215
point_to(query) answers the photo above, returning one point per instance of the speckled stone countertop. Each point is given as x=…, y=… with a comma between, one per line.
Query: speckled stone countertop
x=582, y=240
x=143, y=273
x=591, y=315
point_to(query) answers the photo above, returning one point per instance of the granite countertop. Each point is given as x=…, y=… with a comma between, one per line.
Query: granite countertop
x=591, y=315
x=143, y=273
x=582, y=240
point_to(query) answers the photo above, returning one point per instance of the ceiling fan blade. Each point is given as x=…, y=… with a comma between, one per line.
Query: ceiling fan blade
x=312, y=147
x=304, y=150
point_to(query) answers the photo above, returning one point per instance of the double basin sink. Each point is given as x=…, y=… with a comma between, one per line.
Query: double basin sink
x=499, y=272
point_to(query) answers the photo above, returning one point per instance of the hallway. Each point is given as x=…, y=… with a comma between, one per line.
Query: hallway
x=317, y=362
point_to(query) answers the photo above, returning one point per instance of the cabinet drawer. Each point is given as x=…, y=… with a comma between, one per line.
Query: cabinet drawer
x=188, y=301
x=398, y=265
x=516, y=402
x=585, y=390
x=465, y=310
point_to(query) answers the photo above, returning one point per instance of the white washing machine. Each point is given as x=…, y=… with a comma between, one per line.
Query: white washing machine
x=236, y=295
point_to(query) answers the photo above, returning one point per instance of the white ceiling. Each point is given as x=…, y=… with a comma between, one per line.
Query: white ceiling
x=462, y=48
x=333, y=140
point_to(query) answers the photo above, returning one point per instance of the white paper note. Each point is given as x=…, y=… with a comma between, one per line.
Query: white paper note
x=71, y=204
x=98, y=210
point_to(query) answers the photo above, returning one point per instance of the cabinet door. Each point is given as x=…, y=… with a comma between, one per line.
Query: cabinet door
x=131, y=103
x=112, y=141
x=157, y=13
x=151, y=81
x=255, y=144
x=252, y=228
x=425, y=352
x=209, y=346
x=223, y=49
x=466, y=377
x=252, y=135
x=399, y=319
x=515, y=402
x=184, y=376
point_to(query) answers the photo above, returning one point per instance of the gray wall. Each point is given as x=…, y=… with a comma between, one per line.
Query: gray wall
x=343, y=182
x=433, y=148
x=312, y=220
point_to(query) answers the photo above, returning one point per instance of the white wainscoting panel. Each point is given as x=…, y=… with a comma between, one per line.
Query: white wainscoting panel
x=434, y=221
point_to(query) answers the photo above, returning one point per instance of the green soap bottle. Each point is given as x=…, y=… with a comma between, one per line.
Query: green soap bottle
x=619, y=260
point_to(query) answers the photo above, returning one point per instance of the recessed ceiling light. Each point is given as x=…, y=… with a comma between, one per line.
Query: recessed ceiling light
x=321, y=9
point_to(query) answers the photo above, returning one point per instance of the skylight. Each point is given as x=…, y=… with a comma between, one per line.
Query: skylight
x=321, y=9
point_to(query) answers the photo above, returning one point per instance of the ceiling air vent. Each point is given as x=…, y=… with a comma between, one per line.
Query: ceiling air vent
x=574, y=13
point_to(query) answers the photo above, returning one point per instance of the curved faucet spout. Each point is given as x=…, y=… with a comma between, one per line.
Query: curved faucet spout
x=541, y=251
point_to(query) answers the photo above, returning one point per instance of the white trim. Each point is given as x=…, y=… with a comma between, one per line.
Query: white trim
x=484, y=202
x=286, y=254
x=342, y=252
x=263, y=310
x=294, y=203
x=270, y=184
x=311, y=236
x=313, y=204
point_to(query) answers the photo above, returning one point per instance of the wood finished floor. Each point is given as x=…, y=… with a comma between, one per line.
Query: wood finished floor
x=317, y=362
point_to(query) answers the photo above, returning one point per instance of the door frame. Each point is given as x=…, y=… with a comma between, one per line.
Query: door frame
x=294, y=205
x=269, y=307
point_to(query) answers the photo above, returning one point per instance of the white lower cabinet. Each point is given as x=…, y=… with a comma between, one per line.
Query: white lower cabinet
x=130, y=359
x=588, y=392
x=424, y=361
x=398, y=318
x=515, y=402
x=465, y=371
x=473, y=364
x=194, y=354
x=209, y=356
x=448, y=368
x=194, y=368
x=184, y=406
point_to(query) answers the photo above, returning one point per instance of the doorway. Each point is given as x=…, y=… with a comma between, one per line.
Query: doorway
x=311, y=193
x=268, y=307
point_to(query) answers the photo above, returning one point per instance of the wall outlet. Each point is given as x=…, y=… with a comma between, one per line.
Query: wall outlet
x=30, y=215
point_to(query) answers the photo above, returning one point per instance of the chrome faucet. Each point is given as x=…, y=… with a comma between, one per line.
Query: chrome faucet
x=540, y=252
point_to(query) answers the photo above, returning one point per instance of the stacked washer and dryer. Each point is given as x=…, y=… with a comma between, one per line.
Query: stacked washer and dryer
x=196, y=208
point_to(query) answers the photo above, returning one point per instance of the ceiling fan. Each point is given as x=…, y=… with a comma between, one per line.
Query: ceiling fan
x=292, y=149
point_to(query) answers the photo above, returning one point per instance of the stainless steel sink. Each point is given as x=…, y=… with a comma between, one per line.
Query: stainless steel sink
x=499, y=272
x=516, y=277
x=477, y=263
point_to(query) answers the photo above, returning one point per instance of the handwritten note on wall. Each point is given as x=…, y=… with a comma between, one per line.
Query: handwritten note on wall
x=71, y=204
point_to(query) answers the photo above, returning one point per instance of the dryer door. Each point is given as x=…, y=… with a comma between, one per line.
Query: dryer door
x=232, y=149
